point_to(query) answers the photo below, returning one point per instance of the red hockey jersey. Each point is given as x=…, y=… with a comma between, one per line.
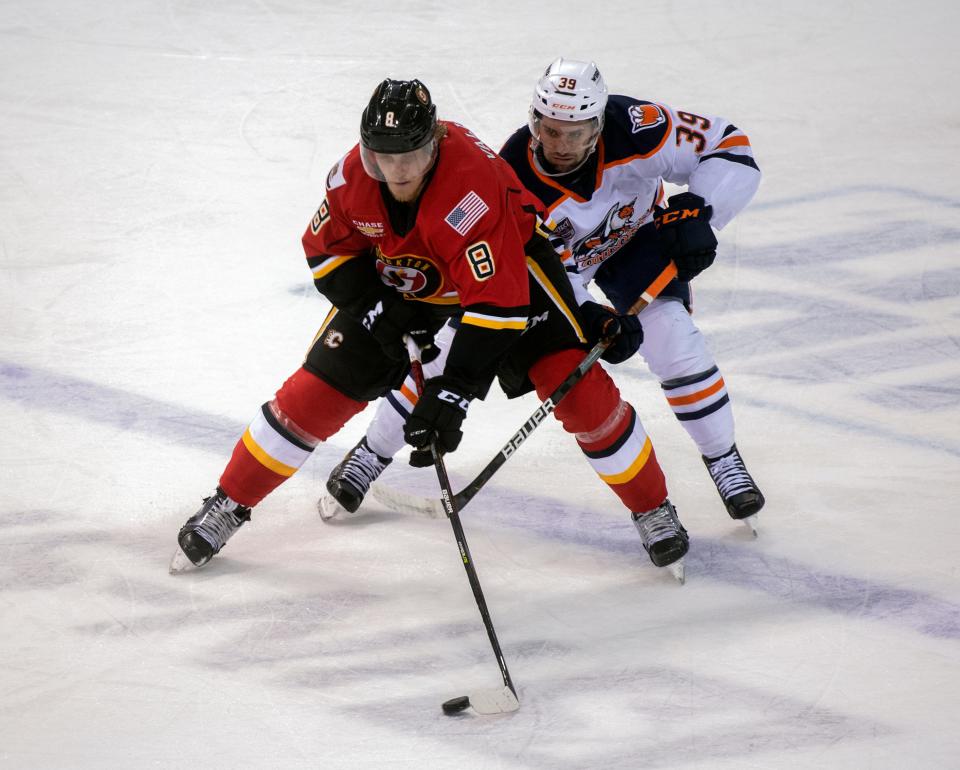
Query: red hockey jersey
x=466, y=244
x=461, y=246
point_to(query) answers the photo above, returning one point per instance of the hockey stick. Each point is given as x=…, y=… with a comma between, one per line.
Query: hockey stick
x=485, y=702
x=402, y=502
x=650, y=293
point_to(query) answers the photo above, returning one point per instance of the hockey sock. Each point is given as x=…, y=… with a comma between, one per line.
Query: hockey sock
x=607, y=429
x=702, y=405
x=281, y=437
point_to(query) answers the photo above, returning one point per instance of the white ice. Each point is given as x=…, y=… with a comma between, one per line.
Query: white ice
x=158, y=164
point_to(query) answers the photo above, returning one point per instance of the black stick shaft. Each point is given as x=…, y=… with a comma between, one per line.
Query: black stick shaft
x=446, y=494
x=466, y=494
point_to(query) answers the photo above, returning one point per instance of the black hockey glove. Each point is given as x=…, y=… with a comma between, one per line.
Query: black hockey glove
x=604, y=321
x=439, y=413
x=390, y=319
x=685, y=234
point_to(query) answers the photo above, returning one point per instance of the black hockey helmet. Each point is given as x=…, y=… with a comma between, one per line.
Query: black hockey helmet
x=400, y=117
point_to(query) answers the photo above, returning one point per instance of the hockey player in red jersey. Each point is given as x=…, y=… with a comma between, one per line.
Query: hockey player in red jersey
x=599, y=164
x=423, y=223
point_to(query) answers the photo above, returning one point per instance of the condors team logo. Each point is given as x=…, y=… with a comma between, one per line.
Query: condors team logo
x=409, y=274
x=617, y=227
x=645, y=116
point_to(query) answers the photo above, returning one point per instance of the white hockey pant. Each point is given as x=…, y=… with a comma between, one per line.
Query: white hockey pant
x=676, y=352
x=385, y=432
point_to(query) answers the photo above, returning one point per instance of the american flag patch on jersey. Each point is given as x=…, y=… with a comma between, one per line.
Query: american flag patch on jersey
x=466, y=213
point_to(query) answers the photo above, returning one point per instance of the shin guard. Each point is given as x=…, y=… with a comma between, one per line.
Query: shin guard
x=607, y=429
x=305, y=411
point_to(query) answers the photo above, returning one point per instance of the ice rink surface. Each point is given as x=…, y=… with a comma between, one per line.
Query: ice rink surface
x=158, y=165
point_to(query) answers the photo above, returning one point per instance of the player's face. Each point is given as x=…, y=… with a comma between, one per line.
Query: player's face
x=404, y=172
x=565, y=143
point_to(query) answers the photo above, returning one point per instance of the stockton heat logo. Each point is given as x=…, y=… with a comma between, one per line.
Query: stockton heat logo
x=409, y=274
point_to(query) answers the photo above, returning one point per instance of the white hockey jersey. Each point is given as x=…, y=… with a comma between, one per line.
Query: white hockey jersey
x=601, y=206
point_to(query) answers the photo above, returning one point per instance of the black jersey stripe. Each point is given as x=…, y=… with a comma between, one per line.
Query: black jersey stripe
x=497, y=311
x=746, y=160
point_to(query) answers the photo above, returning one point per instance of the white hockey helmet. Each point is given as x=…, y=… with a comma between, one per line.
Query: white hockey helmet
x=571, y=90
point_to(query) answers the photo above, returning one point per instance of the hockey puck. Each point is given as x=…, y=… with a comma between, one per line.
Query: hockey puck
x=456, y=705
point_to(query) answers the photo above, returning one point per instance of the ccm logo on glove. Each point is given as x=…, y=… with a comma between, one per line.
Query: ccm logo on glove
x=685, y=235
x=672, y=216
x=438, y=415
x=454, y=398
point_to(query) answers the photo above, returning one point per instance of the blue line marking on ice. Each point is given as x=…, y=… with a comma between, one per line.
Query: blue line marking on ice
x=744, y=566
x=748, y=566
x=912, y=441
x=874, y=431
x=54, y=392
x=841, y=192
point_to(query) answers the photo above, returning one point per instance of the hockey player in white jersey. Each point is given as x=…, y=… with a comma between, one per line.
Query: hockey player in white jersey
x=598, y=163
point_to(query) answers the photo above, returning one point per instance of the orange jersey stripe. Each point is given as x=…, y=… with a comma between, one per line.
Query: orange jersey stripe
x=694, y=397
x=734, y=141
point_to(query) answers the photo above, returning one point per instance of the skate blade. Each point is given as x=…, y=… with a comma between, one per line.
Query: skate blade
x=329, y=508
x=751, y=523
x=180, y=563
x=678, y=571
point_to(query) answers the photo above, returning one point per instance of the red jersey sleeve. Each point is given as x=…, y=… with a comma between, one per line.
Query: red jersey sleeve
x=338, y=254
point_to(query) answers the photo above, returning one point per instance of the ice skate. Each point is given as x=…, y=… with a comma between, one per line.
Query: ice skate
x=664, y=538
x=350, y=480
x=739, y=492
x=207, y=531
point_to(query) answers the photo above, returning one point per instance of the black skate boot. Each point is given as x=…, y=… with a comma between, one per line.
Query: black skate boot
x=664, y=537
x=737, y=488
x=208, y=530
x=351, y=479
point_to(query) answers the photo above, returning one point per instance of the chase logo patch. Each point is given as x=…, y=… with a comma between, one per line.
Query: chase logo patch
x=370, y=228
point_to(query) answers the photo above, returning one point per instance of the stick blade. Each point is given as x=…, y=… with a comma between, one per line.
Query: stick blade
x=402, y=502
x=499, y=701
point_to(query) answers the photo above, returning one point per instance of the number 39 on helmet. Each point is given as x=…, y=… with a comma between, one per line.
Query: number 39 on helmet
x=570, y=90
